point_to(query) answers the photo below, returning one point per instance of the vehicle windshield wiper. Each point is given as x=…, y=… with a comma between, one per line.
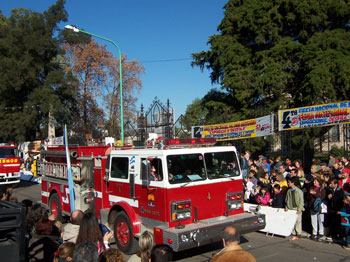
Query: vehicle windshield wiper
x=183, y=185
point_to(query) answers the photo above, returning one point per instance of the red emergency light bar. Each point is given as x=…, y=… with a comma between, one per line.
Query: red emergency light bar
x=189, y=141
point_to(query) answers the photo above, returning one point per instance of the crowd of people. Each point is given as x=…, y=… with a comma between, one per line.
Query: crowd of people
x=82, y=239
x=320, y=197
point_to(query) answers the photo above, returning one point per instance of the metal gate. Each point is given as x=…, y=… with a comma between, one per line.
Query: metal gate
x=159, y=119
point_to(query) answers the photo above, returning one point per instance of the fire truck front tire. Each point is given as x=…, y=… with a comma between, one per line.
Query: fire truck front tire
x=55, y=206
x=123, y=234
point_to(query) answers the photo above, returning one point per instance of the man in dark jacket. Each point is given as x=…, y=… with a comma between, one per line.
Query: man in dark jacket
x=335, y=197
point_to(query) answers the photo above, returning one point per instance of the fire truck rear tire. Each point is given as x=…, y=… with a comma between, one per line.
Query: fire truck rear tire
x=123, y=234
x=55, y=206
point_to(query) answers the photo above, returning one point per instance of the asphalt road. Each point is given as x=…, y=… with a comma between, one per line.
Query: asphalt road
x=264, y=248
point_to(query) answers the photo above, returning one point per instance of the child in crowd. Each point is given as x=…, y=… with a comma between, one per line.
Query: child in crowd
x=277, y=200
x=273, y=176
x=65, y=252
x=249, y=190
x=112, y=255
x=282, y=182
x=263, y=197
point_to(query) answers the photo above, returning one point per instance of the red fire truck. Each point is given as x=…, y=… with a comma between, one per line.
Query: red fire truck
x=9, y=164
x=185, y=191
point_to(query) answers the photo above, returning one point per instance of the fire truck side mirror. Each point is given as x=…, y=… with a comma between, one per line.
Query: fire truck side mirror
x=146, y=170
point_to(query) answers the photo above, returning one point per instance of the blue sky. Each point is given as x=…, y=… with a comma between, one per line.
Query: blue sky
x=147, y=31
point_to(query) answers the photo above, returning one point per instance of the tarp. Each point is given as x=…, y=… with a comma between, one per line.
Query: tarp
x=278, y=221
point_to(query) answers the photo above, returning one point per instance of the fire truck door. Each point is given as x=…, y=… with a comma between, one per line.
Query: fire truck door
x=118, y=185
x=151, y=193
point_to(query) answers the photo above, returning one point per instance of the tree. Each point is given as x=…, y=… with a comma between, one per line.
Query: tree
x=32, y=81
x=89, y=62
x=195, y=114
x=213, y=108
x=99, y=86
x=271, y=55
x=131, y=84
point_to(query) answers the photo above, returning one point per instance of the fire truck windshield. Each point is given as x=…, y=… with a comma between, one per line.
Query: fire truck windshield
x=221, y=164
x=194, y=167
x=7, y=152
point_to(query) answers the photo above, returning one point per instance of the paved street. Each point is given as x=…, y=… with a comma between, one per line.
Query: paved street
x=264, y=248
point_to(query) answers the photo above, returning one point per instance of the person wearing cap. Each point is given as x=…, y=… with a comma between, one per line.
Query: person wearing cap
x=344, y=179
x=345, y=219
x=266, y=164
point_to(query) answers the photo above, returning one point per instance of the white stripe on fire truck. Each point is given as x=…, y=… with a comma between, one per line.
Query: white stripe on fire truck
x=98, y=194
x=6, y=165
x=131, y=202
x=65, y=199
x=45, y=194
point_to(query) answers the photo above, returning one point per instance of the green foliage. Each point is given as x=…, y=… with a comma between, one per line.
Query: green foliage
x=338, y=152
x=195, y=114
x=32, y=82
x=271, y=55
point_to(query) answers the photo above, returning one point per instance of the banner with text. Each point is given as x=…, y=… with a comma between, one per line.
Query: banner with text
x=313, y=116
x=262, y=126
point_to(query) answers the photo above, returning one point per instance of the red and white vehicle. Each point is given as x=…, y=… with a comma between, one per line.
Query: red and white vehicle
x=194, y=193
x=10, y=164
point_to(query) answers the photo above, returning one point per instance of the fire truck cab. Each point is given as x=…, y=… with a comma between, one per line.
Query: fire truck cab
x=9, y=164
x=185, y=191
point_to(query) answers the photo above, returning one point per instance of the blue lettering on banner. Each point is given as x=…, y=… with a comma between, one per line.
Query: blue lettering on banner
x=247, y=133
x=344, y=104
x=321, y=108
x=313, y=121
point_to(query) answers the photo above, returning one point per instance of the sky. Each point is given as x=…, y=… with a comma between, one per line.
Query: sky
x=149, y=31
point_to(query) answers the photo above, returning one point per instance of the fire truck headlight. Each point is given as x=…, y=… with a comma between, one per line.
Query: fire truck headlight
x=188, y=214
x=181, y=216
x=233, y=206
x=184, y=238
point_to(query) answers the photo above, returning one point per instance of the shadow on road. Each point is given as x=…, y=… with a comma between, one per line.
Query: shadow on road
x=24, y=183
x=212, y=249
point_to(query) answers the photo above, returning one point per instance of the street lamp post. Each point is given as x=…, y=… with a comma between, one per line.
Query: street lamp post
x=77, y=30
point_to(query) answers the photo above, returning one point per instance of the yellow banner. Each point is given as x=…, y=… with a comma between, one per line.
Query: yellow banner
x=262, y=126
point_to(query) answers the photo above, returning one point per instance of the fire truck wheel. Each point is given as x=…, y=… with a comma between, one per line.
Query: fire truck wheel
x=123, y=234
x=55, y=206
